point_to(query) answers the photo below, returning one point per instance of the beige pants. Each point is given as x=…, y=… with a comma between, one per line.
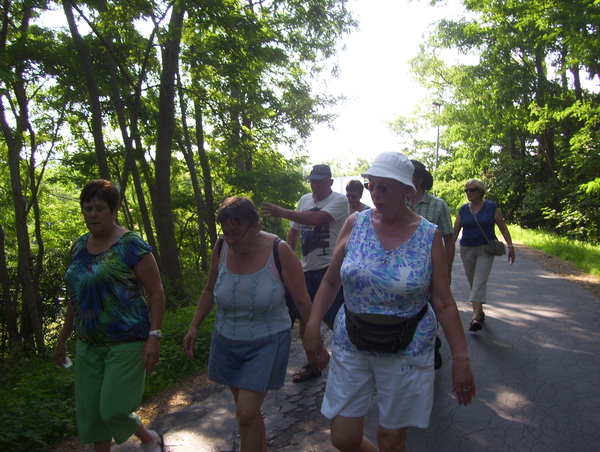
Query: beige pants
x=478, y=265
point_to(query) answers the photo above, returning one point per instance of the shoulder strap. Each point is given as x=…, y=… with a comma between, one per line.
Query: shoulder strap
x=276, y=256
x=219, y=246
x=477, y=221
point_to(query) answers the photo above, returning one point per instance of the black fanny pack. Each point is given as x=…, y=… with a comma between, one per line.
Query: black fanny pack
x=382, y=333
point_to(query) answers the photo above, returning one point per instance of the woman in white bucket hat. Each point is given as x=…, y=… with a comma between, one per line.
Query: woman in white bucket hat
x=392, y=265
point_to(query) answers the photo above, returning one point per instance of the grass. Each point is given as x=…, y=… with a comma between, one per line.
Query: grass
x=584, y=256
x=37, y=406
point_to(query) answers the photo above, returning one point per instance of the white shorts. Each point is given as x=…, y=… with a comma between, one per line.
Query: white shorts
x=404, y=388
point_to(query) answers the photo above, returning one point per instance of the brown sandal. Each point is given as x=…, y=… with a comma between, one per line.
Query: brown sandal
x=306, y=373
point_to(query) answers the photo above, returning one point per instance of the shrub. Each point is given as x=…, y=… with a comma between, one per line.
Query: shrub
x=37, y=406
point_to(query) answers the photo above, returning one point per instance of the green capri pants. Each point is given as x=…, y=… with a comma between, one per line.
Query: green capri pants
x=109, y=383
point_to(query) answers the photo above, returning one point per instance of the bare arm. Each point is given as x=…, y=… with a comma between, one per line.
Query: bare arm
x=147, y=273
x=330, y=285
x=293, y=278
x=60, y=352
x=292, y=238
x=309, y=217
x=499, y=219
x=447, y=313
x=450, y=248
x=457, y=226
x=205, y=305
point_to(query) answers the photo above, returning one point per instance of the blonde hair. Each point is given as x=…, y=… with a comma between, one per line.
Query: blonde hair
x=480, y=185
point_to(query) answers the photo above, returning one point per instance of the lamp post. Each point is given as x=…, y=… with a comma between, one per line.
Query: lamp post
x=437, y=141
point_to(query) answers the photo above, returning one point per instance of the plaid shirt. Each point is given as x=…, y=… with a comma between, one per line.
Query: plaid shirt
x=435, y=210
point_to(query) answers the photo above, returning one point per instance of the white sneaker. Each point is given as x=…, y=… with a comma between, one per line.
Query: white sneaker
x=156, y=445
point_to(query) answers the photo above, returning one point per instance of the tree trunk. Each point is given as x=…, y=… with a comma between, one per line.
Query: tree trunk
x=9, y=303
x=189, y=158
x=34, y=187
x=206, y=175
x=94, y=95
x=25, y=274
x=163, y=215
x=545, y=139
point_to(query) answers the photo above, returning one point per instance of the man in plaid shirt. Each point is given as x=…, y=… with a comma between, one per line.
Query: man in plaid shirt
x=435, y=210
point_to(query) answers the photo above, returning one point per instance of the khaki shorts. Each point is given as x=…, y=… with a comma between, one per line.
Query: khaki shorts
x=109, y=383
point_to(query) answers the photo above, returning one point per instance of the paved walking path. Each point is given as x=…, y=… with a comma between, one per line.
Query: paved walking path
x=536, y=366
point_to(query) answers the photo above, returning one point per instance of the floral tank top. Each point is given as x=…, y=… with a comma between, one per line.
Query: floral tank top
x=395, y=282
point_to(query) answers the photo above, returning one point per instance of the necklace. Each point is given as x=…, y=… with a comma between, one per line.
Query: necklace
x=251, y=259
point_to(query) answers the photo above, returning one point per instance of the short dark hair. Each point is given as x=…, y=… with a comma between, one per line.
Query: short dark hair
x=102, y=189
x=355, y=185
x=238, y=209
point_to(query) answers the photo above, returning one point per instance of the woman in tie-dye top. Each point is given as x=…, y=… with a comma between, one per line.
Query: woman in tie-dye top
x=390, y=261
x=118, y=333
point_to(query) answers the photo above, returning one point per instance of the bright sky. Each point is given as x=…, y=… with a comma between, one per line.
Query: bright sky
x=375, y=77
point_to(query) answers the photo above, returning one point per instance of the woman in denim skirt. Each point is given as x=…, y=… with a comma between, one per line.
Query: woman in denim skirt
x=250, y=344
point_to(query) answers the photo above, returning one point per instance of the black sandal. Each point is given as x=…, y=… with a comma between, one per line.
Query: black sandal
x=475, y=325
x=482, y=317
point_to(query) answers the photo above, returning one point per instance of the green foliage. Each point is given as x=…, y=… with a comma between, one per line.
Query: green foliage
x=174, y=364
x=516, y=112
x=36, y=405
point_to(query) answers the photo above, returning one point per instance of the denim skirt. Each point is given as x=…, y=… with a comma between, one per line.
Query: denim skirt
x=259, y=365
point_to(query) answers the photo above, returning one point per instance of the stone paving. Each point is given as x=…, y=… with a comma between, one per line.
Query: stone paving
x=537, y=370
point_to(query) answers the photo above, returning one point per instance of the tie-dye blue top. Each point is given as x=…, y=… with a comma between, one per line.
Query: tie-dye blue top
x=395, y=282
x=105, y=292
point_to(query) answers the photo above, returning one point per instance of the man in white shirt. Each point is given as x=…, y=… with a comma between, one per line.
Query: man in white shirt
x=316, y=221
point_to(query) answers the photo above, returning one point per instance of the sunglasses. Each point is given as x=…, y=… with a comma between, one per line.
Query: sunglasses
x=371, y=187
x=471, y=190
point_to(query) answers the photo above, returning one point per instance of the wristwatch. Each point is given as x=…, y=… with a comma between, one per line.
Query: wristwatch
x=156, y=333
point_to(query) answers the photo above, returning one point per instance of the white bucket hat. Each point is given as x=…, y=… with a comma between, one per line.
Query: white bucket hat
x=392, y=165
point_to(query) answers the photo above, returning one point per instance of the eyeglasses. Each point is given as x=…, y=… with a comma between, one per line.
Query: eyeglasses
x=371, y=187
x=236, y=236
x=348, y=195
x=471, y=190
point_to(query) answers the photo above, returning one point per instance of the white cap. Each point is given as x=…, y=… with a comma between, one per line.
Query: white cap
x=392, y=165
